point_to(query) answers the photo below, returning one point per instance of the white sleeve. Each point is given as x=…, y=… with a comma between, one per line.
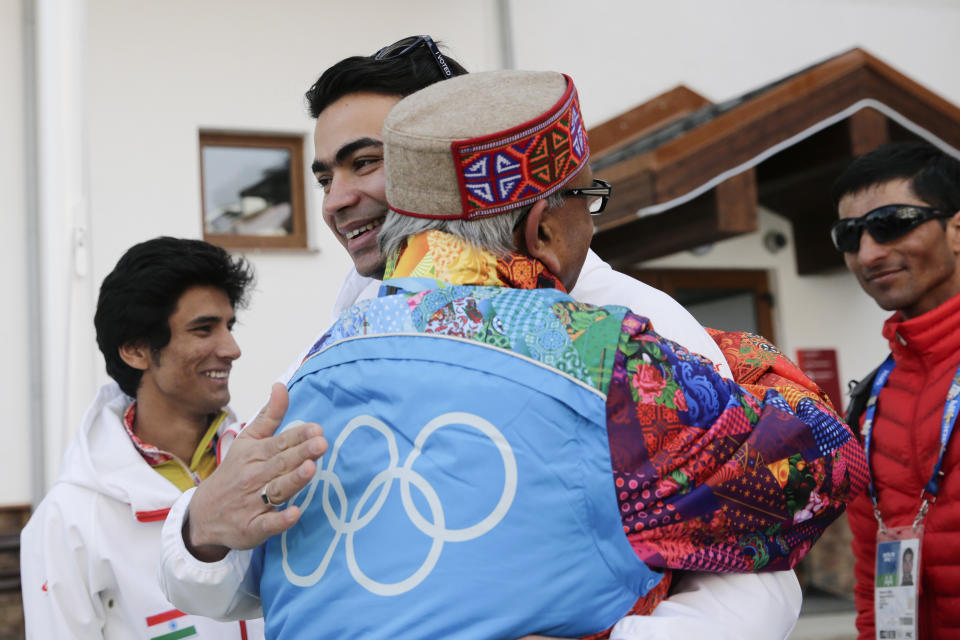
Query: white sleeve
x=750, y=606
x=353, y=289
x=57, y=595
x=220, y=590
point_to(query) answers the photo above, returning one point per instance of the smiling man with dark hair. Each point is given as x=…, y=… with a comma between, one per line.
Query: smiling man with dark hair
x=899, y=232
x=164, y=324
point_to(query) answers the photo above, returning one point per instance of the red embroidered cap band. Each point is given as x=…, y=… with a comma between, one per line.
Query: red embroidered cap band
x=517, y=167
x=484, y=143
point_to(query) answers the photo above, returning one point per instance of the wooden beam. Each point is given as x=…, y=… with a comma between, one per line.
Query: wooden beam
x=644, y=118
x=633, y=187
x=912, y=99
x=736, y=203
x=739, y=135
x=744, y=132
x=677, y=230
x=868, y=130
x=932, y=113
x=683, y=164
x=773, y=116
x=727, y=211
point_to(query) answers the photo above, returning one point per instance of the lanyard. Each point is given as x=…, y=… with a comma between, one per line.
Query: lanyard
x=950, y=410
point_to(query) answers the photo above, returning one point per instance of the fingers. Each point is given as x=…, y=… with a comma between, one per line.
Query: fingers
x=280, y=490
x=312, y=446
x=270, y=416
x=296, y=433
x=285, y=486
x=276, y=522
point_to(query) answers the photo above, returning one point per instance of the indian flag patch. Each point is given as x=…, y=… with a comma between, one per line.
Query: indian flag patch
x=170, y=625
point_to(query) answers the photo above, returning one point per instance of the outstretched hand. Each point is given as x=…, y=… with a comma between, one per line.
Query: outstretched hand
x=227, y=510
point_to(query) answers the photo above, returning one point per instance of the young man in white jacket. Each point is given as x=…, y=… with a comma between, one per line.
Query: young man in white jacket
x=90, y=552
x=350, y=102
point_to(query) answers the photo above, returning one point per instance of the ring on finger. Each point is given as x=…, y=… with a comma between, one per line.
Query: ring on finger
x=266, y=498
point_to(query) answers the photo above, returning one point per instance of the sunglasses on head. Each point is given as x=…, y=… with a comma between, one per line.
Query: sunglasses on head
x=884, y=224
x=405, y=46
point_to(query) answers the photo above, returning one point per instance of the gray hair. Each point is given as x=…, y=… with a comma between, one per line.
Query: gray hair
x=493, y=233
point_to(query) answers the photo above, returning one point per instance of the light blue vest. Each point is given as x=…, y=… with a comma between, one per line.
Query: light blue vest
x=467, y=493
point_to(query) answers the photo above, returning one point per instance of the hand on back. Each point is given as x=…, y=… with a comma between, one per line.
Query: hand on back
x=227, y=510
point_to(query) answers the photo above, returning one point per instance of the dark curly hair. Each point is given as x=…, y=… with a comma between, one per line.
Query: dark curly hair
x=138, y=297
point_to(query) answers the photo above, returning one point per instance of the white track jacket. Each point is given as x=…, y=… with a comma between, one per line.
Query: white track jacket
x=89, y=554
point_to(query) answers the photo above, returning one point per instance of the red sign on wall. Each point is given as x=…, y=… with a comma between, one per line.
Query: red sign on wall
x=821, y=366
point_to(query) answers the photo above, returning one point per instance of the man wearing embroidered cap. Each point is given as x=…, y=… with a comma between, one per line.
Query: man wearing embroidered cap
x=350, y=101
x=496, y=173
x=563, y=458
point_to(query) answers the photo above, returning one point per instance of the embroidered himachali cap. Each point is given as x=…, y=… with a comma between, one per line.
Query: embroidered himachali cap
x=483, y=143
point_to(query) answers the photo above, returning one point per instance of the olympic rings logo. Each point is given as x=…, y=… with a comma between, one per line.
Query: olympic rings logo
x=436, y=529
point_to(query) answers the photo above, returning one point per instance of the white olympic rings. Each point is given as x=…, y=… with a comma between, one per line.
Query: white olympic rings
x=383, y=481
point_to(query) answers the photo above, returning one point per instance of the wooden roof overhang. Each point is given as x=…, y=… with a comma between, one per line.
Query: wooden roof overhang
x=687, y=172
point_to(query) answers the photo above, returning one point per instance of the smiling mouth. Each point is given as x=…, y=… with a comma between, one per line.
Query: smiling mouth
x=217, y=375
x=353, y=233
x=881, y=274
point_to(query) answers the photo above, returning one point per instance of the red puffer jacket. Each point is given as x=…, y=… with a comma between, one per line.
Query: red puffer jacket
x=904, y=446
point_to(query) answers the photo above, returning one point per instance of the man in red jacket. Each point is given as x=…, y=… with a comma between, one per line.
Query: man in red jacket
x=899, y=231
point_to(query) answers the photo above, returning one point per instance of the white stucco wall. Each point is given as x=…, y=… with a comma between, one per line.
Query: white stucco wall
x=623, y=52
x=14, y=382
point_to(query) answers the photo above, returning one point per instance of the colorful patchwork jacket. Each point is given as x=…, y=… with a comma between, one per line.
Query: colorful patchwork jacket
x=699, y=473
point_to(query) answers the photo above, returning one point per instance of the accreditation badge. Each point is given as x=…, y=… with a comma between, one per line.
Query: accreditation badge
x=895, y=593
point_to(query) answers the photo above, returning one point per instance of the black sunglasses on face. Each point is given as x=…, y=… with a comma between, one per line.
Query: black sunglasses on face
x=884, y=224
x=403, y=47
x=596, y=194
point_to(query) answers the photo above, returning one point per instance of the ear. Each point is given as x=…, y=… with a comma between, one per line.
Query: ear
x=540, y=236
x=953, y=232
x=136, y=355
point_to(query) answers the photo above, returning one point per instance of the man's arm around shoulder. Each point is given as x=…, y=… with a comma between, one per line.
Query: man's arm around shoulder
x=198, y=572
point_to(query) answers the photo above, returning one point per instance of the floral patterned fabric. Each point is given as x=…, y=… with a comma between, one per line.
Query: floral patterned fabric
x=757, y=365
x=709, y=476
x=716, y=462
